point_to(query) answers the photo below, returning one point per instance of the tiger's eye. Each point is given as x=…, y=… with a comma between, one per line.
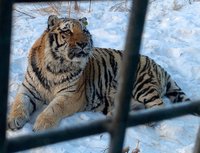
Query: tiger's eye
x=67, y=32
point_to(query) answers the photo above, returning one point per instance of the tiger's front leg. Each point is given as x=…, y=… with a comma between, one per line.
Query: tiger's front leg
x=60, y=107
x=20, y=112
x=26, y=102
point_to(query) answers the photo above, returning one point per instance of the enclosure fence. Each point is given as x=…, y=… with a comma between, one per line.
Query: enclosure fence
x=115, y=126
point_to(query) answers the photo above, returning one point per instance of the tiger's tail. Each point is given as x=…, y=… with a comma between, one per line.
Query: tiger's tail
x=174, y=92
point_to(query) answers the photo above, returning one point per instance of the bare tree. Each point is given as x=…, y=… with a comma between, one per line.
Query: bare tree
x=76, y=7
x=90, y=5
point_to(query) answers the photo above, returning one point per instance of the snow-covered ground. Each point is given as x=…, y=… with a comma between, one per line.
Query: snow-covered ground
x=171, y=37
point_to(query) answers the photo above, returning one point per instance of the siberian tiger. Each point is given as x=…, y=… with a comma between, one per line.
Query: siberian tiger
x=66, y=72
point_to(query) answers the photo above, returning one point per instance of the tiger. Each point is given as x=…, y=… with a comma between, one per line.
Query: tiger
x=66, y=72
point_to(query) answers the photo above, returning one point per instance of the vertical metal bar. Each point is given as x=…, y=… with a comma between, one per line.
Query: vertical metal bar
x=197, y=144
x=130, y=59
x=5, y=37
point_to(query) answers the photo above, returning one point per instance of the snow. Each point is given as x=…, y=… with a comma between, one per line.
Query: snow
x=171, y=37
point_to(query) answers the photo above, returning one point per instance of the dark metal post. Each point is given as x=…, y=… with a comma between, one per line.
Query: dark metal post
x=129, y=67
x=5, y=37
x=197, y=145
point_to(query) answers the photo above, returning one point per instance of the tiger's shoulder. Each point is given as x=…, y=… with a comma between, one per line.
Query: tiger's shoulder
x=39, y=46
x=107, y=54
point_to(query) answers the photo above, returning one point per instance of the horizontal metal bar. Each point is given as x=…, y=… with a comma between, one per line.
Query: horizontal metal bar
x=154, y=115
x=39, y=1
x=5, y=34
x=56, y=135
x=128, y=71
x=30, y=141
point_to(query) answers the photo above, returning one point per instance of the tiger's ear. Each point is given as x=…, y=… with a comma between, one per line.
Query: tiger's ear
x=52, y=20
x=84, y=21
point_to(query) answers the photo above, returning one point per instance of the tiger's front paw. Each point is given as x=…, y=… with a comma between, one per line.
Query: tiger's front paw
x=16, y=120
x=44, y=122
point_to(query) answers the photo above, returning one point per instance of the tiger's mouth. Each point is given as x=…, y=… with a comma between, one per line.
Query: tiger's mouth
x=81, y=54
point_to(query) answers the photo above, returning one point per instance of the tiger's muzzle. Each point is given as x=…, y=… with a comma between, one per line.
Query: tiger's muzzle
x=77, y=53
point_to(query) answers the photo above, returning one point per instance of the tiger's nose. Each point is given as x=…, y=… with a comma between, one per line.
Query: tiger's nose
x=82, y=44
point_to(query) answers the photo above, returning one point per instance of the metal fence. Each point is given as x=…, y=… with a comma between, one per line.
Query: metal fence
x=116, y=126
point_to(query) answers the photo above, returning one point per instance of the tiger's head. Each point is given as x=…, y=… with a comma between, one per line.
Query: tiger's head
x=69, y=38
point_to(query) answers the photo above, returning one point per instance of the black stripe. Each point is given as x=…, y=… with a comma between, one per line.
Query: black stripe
x=67, y=91
x=138, y=69
x=34, y=105
x=32, y=86
x=141, y=84
x=74, y=74
x=180, y=98
x=97, y=50
x=119, y=52
x=57, y=43
x=45, y=83
x=69, y=78
x=151, y=100
x=99, y=73
x=113, y=64
x=168, y=86
x=105, y=72
x=56, y=40
x=92, y=82
x=105, y=53
x=66, y=88
x=150, y=91
x=143, y=92
x=147, y=64
x=61, y=71
x=51, y=39
x=140, y=78
x=105, y=110
x=187, y=99
x=34, y=96
x=114, y=84
x=29, y=75
x=166, y=75
x=110, y=77
x=107, y=76
x=32, y=102
x=89, y=84
x=79, y=89
x=157, y=104
x=175, y=93
x=50, y=70
x=54, y=55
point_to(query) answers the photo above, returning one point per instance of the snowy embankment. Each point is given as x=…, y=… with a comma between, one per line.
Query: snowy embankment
x=171, y=37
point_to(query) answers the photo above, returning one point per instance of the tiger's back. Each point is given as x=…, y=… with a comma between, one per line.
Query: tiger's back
x=102, y=74
x=151, y=84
